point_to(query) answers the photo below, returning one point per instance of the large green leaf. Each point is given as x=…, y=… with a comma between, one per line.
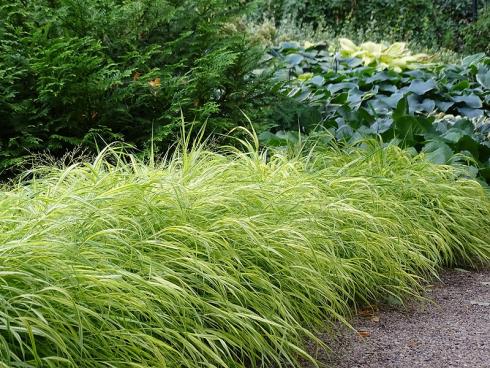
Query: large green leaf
x=427, y=105
x=453, y=135
x=411, y=129
x=472, y=101
x=421, y=87
x=473, y=59
x=382, y=125
x=444, y=105
x=294, y=59
x=470, y=112
x=483, y=77
x=391, y=101
x=438, y=152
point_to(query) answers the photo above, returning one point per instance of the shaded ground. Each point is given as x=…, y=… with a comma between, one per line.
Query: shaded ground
x=453, y=332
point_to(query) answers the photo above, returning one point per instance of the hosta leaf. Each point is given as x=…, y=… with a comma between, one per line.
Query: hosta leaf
x=340, y=98
x=305, y=76
x=378, y=77
x=373, y=49
x=412, y=151
x=294, y=59
x=378, y=107
x=344, y=132
x=396, y=49
x=411, y=128
x=470, y=100
x=272, y=140
x=469, y=144
x=472, y=171
x=347, y=45
x=303, y=96
x=355, y=118
x=460, y=86
x=444, y=105
x=317, y=80
x=414, y=104
x=353, y=62
x=308, y=45
x=368, y=59
x=417, y=74
x=438, y=152
x=453, y=135
x=473, y=59
x=401, y=109
x=420, y=87
x=382, y=125
x=388, y=88
x=289, y=45
x=391, y=101
x=465, y=125
x=282, y=75
x=333, y=88
x=470, y=113
x=427, y=105
x=289, y=136
x=483, y=77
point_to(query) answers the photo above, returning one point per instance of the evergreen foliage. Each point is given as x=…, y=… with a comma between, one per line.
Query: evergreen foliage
x=72, y=71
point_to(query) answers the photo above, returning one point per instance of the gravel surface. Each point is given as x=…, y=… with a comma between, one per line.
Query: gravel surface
x=452, y=332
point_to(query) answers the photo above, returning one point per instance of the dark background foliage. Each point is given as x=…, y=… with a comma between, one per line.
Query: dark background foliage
x=477, y=37
x=430, y=23
x=73, y=72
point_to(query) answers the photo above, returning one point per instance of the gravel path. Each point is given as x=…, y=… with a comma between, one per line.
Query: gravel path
x=452, y=332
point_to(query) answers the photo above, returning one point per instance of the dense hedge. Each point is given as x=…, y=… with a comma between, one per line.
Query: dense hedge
x=72, y=71
x=477, y=37
x=427, y=22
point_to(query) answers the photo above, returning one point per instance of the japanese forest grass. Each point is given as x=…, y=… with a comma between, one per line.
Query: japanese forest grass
x=220, y=259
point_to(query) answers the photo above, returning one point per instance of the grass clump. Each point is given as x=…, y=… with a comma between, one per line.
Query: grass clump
x=222, y=259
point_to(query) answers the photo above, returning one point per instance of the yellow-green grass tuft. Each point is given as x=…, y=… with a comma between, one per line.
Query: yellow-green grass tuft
x=224, y=259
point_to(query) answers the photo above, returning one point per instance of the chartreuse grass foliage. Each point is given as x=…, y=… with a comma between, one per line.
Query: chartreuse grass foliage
x=226, y=259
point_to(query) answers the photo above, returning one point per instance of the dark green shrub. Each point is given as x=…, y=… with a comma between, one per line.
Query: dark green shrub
x=477, y=35
x=71, y=71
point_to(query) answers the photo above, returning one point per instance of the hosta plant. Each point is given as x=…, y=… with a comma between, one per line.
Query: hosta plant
x=353, y=101
x=395, y=56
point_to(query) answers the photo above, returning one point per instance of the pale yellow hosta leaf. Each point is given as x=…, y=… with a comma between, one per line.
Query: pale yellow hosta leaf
x=375, y=49
x=305, y=76
x=395, y=56
x=383, y=66
x=347, y=47
x=308, y=45
x=396, y=49
x=386, y=59
x=368, y=59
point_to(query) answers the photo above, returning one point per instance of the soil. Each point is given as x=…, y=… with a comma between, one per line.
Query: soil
x=450, y=330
